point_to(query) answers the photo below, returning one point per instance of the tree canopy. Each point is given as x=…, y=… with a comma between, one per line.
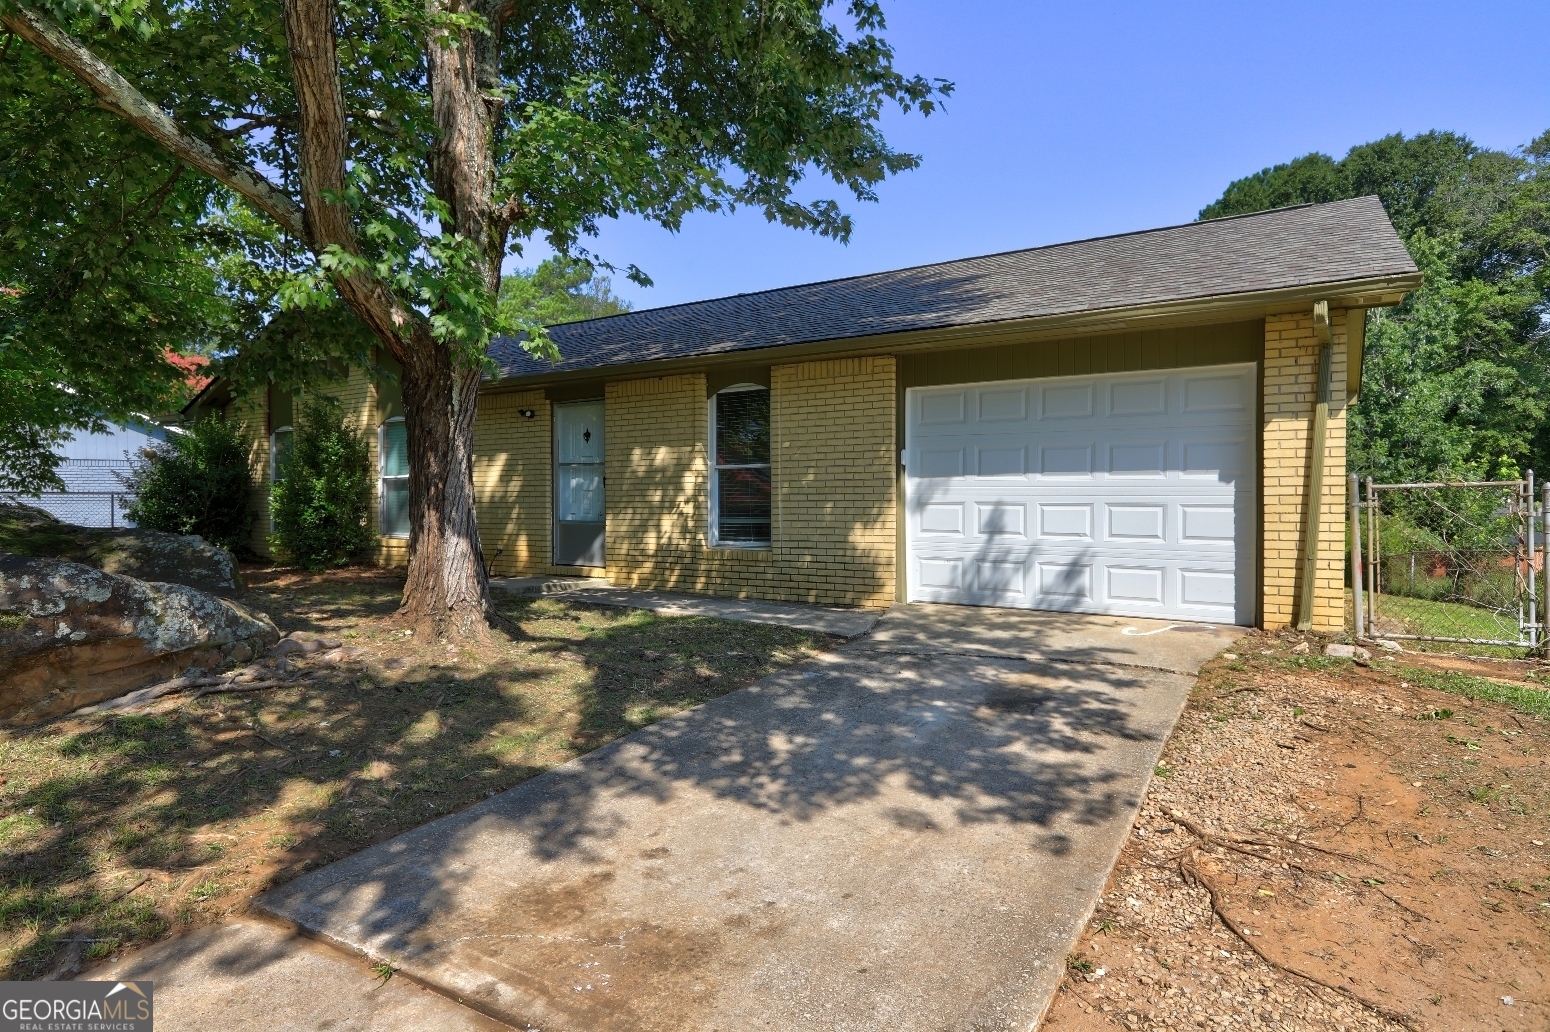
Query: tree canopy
x=386, y=158
x=559, y=290
x=1456, y=382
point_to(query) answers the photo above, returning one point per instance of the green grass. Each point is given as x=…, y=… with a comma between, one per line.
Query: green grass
x=216, y=799
x=1534, y=702
x=1447, y=619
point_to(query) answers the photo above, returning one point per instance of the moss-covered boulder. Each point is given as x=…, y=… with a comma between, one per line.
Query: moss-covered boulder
x=71, y=635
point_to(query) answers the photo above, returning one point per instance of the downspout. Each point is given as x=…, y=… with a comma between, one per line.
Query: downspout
x=1315, y=500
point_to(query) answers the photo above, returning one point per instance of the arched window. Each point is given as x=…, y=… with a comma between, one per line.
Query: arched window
x=740, y=470
x=393, y=483
x=280, y=452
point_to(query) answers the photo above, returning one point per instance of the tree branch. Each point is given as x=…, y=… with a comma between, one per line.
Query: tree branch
x=322, y=143
x=118, y=95
x=323, y=146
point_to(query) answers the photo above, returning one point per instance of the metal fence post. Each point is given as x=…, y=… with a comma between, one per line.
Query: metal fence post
x=1372, y=585
x=1533, y=594
x=1356, y=557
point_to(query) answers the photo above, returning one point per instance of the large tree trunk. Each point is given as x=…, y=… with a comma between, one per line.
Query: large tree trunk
x=448, y=589
x=447, y=594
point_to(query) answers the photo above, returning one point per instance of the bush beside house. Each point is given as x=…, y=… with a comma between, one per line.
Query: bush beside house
x=320, y=505
x=196, y=482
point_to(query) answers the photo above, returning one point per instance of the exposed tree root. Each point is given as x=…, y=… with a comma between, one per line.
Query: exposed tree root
x=1193, y=876
x=245, y=686
x=1226, y=839
x=243, y=679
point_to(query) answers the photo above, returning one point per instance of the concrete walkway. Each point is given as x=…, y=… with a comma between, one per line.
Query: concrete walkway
x=906, y=833
x=837, y=620
x=251, y=976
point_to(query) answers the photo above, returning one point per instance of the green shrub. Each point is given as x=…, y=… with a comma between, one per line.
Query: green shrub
x=196, y=482
x=320, y=506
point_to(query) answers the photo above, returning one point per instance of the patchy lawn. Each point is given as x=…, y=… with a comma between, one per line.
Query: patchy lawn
x=116, y=830
x=1332, y=847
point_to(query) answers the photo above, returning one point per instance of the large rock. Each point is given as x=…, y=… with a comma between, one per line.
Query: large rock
x=148, y=555
x=153, y=555
x=71, y=635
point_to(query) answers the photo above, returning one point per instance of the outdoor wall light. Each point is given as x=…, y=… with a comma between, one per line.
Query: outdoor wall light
x=526, y=413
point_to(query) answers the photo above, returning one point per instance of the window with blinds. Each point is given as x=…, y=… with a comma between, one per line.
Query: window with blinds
x=740, y=475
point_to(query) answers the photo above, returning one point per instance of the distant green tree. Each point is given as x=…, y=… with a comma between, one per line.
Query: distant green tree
x=320, y=504
x=560, y=290
x=197, y=482
x=1456, y=381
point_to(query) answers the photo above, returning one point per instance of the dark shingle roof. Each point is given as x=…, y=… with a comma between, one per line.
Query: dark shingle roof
x=1285, y=248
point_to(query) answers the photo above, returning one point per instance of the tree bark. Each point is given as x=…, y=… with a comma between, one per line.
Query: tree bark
x=447, y=593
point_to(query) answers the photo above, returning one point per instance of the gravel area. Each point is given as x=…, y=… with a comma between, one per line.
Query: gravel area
x=1381, y=842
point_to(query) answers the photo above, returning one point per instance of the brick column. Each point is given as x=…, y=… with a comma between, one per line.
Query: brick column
x=1290, y=388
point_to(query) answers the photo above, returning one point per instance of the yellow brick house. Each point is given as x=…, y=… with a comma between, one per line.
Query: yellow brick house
x=1121, y=425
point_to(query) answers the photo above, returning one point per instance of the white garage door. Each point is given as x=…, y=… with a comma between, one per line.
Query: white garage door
x=1130, y=493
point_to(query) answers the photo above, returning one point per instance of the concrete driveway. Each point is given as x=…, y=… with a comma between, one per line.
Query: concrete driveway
x=906, y=833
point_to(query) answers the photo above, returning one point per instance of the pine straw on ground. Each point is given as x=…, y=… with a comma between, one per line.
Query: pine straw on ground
x=118, y=829
x=1327, y=846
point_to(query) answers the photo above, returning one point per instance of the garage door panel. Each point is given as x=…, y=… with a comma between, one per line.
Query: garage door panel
x=1065, y=521
x=1006, y=461
x=1132, y=585
x=941, y=408
x=1135, y=585
x=942, y=518
x=1139, y=522
x=1130, y=494
x=1000, y=519
x=1138, y=398
x=1065, y=461
x=1066, y=401
x=1207, y=525
x=1000, y=405
x=1215, y=394
x=1132, y=459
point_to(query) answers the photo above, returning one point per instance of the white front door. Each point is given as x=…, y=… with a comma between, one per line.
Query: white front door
x=1126, y=493
x=579, y=484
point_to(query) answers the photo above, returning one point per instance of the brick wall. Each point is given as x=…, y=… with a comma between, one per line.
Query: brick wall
x=832, y=534
x=252, y=417
x=513, y=481
x=1290, y=390
x=835, y=476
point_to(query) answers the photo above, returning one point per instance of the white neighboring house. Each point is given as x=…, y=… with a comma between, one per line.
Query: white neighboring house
x=94, y=495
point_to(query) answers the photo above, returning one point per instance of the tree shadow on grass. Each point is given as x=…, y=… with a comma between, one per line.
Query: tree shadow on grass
x=115, y=829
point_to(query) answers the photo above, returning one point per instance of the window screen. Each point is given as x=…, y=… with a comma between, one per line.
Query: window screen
x=393, y=452
x=741, y=484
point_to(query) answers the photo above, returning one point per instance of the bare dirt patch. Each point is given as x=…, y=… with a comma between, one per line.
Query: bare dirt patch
x=117, y=829
x=1330, y=846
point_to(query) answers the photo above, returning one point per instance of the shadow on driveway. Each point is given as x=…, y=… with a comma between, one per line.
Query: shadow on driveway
x=876, y=838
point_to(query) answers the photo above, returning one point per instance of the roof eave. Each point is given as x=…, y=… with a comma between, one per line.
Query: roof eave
x=1373, y=292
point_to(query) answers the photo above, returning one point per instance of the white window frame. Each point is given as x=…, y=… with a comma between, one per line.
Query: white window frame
x=383, y=478
x=274, y=453
x=715, y=475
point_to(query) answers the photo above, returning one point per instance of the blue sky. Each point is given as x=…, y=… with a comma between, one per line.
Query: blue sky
x=1081, y=119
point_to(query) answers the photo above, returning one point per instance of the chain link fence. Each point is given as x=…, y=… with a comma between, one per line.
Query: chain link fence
x=1460, y=564
x=94, y=496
